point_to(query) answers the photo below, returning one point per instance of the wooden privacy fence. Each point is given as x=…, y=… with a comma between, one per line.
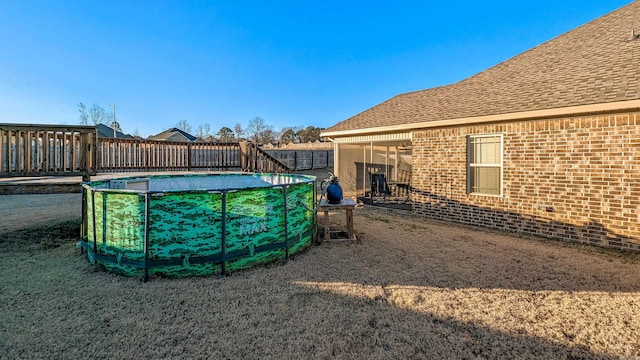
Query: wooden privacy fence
x=37, y=150
x=303, y=159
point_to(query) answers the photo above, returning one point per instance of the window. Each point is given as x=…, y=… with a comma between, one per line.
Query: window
x=484, y=170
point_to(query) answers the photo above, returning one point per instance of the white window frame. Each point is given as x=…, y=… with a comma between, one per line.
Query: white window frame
x=470, y=166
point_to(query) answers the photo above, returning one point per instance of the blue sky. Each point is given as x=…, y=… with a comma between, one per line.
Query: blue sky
x=293, y=63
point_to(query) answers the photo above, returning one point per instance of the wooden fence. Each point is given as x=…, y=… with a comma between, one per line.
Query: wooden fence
x=257, y=160
x=43, y=150
x=152, y=155
x=303, y=159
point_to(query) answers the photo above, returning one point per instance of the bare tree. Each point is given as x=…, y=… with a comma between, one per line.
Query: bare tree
x=207, y=129
x=258, y=131
x=95, y=114
x=268, y=136
x=237, y=128
x=99, y=116
x=203, y=131
x=84, y=114
x=184, y=126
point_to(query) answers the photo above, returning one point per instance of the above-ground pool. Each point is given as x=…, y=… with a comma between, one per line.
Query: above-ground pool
x=185, y=225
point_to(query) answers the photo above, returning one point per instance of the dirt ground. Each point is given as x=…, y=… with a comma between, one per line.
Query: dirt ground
x=412, y=288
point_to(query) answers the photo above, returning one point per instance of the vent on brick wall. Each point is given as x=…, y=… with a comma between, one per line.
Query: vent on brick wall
x=635, y=35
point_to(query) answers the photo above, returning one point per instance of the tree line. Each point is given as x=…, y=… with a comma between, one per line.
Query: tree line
x=257, y=130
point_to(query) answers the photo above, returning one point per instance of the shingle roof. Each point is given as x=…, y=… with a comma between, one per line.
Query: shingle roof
x=211, y=139
x=105, y=131
x=598, y=62
x=173, y=134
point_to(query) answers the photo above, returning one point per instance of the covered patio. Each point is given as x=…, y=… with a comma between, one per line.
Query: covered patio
x=376, y=169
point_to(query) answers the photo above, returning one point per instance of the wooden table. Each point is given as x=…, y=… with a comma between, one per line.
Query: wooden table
x=347, y=205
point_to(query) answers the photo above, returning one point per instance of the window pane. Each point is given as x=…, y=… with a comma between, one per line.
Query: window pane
x=485, y=180
x=485, y=150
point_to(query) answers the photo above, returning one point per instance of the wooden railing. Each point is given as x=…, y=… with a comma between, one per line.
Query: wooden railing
x=152, y=155
x=257, y=160
x=37, y=150
x=43, y=150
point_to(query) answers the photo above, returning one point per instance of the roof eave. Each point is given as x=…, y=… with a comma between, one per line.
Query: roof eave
x=523, y=115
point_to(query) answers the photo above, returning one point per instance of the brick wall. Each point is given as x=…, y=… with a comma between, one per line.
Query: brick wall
x=573, y=178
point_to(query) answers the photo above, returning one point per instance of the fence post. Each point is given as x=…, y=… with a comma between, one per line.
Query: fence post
x=84, y=159
x=244, y=160
x=188, y=156
x=254, y=152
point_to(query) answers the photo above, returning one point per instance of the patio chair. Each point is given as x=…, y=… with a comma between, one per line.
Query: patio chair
x=403, y=185
x=379, y=186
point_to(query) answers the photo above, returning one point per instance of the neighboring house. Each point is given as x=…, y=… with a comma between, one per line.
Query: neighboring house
x=173, y=134
x=211, y=139
x=105, y=131
x=546, y=143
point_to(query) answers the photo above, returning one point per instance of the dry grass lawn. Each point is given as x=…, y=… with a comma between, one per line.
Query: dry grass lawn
x=412, y=288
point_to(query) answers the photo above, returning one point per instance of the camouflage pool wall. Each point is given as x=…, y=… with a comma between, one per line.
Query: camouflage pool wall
x=197, y=232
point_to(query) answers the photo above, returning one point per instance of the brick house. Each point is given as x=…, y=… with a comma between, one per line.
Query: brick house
x=546, y=143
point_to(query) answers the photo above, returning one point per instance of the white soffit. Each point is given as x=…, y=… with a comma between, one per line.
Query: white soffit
x=401, y=136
